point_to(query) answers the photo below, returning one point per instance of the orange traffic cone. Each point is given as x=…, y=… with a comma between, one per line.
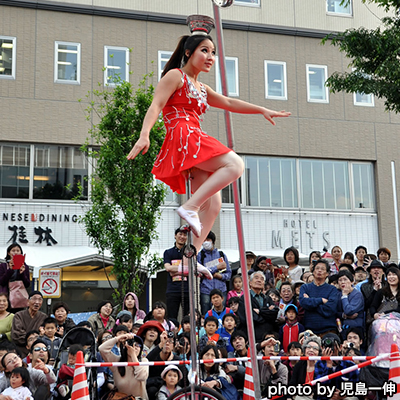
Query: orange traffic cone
x=394, y=370
x=248, y=391
x=80, y=388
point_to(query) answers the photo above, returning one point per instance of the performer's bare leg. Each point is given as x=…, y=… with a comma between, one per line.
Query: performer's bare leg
x=208, y=178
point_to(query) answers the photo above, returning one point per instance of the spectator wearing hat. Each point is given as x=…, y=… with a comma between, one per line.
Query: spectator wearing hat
x=150, y=333
x=331, y=346
x=351, y=306
x=289, y=332
x=218, y=265
x=320, y=301
x=27, y=320
x=360, y=275
x=129, y=380
x=171, y=375
x=102, y=320
x=375, y=282
x=177, y=284
x=64, y=323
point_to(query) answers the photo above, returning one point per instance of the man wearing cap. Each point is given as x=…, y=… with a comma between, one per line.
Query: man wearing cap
x=217, y=263
x=27, y=320
x=237, y=369
x=320, y=301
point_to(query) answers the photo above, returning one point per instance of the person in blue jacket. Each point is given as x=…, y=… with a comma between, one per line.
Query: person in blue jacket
x=320, y=301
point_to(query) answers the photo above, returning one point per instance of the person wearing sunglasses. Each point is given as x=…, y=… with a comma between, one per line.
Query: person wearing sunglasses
x=40, y=376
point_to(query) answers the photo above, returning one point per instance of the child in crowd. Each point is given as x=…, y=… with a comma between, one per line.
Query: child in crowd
x=50, y=339
x=294, y=349
x=171, y=375
x=233, y=304
x=66, y=372
x=275, y=296
x=19, y=382
x=229, y=323
x=127, y=321
x=290, y=331
x=218, y=309
x=210, y=327
x=237, y=290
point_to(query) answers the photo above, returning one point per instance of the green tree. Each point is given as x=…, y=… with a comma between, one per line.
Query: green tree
x=375, y=57
x=125, y=201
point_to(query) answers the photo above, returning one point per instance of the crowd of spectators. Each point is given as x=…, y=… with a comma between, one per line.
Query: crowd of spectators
x=325, y=308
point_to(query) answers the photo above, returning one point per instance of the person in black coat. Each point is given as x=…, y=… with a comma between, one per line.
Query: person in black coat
x=264, y=309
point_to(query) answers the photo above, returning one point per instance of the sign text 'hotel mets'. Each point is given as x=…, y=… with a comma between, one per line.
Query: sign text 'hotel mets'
x=32, y=217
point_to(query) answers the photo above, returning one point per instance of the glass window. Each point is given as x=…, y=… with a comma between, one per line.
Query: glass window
x=231, y=75
x=227, y=193
x=116, y=65
x=254, y=3
x=270, y=182
x=362, y=99
x=275, y=80
x=324, y=184
x=334, y=6
x=363, y=183
x=163, y=57
x=14, y=171
x=58, y=172
x=67, y=62
x=7, y=57
x=316, y=89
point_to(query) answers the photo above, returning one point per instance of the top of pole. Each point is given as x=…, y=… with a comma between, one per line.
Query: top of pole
x=223, y=3
x=200, y=24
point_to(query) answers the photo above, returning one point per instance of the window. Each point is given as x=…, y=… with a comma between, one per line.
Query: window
x=275, y=80
x=232, y=76
x=317, y=92
x=14, y=171
x=163, y=57
x=363, y=183
x=253, y=3
x=58, y=172
x=55, y=172
x=271, y=182
x=335, y=7
x=67, y=63
x=324, y=184
x=7, y=57
x=116, y=65
x=362, y=99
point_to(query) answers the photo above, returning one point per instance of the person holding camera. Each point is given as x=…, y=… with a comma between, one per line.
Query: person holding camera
x=331, y=346
x=127, y=380
x=163, y=352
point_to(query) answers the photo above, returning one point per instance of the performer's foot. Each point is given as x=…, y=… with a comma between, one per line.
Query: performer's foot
x=192, y=218
x=204, y=271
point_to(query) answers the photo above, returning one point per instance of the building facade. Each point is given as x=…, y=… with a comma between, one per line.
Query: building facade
x=325, y=176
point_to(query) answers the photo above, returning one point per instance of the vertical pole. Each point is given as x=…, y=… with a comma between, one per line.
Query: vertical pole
x=396, y=211
x=238, y=215
x=192, y=262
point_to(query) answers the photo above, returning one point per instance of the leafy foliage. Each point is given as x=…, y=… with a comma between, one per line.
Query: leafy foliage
x=375, y=56
x=126, y=202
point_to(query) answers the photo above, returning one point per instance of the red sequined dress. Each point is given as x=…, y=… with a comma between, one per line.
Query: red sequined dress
x=185, y=144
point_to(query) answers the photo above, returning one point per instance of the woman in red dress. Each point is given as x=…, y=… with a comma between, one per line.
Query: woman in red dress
x=187, y=148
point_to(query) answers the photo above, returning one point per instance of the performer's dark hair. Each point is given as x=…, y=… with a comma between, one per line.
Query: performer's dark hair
x=179, y=57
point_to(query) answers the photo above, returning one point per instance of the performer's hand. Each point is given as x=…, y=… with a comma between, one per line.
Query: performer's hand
x=142, y=144
x=269, y=114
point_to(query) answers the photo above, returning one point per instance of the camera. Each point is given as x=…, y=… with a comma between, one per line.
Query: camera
x=170, y=336
x=130, y=342
x=350, y=345
x=276, y=347
x=329, y=343
x=182, y=342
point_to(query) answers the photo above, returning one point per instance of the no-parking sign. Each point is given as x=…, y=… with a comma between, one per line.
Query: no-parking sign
x=50, y=282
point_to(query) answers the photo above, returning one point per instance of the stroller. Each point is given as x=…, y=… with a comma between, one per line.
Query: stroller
x=384, y=332
x=87, y=340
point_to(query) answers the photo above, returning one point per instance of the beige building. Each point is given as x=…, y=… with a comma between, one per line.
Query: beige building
x=324, y=177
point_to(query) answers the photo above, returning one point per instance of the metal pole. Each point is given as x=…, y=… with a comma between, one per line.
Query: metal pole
x=238, y=215
x=396, y=211
x=190, y=253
